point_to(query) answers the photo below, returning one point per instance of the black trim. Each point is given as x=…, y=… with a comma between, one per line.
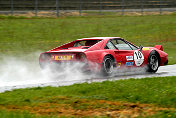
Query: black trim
x=112, y=44
x=166, y=62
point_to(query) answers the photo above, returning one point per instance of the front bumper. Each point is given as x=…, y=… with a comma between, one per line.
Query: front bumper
x=166, y=62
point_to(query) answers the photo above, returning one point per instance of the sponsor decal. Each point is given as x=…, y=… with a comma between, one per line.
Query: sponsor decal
x=129, y=58
x=129, y=63
x=138, y=58
x=118, y=64
x=145, y=49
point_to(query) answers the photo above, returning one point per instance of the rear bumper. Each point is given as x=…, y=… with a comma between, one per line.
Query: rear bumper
x=164, y=61
x=81, y=66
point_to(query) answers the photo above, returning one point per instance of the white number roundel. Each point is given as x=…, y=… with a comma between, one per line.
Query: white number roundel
x=138, y=58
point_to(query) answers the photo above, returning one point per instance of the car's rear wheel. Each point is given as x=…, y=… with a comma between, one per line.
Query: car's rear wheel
x=153, y=62
x=107, y=66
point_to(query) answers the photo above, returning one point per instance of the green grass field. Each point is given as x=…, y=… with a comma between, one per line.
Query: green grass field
x=156, y=93
x=26, y=35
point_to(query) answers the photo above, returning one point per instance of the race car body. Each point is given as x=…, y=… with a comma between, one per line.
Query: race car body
x=103, y=54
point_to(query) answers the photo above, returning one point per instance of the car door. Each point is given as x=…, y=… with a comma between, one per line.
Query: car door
x=126, y=53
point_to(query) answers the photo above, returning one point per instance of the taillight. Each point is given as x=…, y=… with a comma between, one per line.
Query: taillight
x=45, y=57
x=81, y=57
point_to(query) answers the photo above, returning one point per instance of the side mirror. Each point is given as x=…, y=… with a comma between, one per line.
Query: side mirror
x=140, y=48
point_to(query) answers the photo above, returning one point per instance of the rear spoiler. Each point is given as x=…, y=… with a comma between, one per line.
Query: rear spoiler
x=159, y=47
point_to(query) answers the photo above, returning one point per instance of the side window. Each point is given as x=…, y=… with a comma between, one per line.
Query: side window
x=121, y=45
x=109, y=45
x=133, y=47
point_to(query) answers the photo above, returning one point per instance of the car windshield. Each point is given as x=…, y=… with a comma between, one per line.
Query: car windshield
x=85, y=43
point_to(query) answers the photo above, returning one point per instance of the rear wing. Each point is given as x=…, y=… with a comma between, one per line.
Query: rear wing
x=159, y=47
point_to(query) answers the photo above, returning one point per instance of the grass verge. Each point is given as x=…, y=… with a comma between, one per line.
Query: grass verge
x=140, y=97
x=14, y=114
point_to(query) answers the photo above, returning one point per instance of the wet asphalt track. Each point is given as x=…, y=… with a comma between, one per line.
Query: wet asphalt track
x=169, y=70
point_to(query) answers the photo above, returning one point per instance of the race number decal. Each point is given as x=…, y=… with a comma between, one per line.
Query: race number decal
x=138, y=58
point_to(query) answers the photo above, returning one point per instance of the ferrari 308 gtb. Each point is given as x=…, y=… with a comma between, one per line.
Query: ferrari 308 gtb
x=104, y=54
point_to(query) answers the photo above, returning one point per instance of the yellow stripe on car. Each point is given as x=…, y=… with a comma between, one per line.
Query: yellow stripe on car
x=145, y=49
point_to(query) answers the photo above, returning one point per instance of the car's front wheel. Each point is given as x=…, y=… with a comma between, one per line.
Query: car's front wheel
x=153, y=62
x=107, y=66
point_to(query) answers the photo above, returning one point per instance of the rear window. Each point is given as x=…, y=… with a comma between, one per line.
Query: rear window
x=85, y=43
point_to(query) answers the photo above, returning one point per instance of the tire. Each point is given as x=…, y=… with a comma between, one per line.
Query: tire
x=107, y=66
x=153, y=62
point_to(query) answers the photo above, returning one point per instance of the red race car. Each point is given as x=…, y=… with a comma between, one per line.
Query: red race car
x=104, y=54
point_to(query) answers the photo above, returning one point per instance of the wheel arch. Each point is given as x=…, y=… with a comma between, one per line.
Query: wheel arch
x=155, y=52
x=107, y=66
x=111, y=57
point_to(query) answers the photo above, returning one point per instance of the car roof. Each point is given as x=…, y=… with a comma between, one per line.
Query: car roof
x=98, y=38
